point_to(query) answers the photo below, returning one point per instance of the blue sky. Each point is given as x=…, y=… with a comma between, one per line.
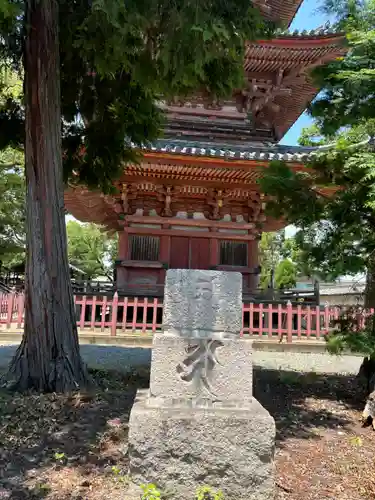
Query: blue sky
x=308, y=17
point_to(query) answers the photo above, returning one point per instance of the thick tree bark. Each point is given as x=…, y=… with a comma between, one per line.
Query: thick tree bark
x=48, y=358
x=368, y=415
x=370, y=286
x=367, y=369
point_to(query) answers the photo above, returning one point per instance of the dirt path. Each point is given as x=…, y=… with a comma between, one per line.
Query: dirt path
x=125, y=359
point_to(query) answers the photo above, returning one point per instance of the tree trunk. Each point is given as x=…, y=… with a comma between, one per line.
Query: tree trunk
x=370, y=283
x=48, y=358
x=367, y=370
x=368, y=415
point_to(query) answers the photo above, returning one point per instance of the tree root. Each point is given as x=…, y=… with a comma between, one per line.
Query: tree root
x=61, y=374
x=368, y=415
x=367, y=374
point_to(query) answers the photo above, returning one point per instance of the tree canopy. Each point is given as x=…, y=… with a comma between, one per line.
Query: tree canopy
x=12, y=183
x=91, y=249
x=279, y=257
x=118, y=59
x=348, y=83
x=12, y=204
x=336, y=225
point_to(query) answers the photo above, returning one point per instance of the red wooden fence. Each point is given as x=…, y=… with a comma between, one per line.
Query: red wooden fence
x=120, y=315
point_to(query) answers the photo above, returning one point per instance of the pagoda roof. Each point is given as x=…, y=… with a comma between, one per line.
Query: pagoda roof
x=285, y=63
x=324, y=30
x=278, y=90
x=192, y=170
x=279, y=10
x=232, y=152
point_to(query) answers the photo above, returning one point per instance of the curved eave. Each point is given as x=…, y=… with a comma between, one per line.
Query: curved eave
x=168, y=168
x=290, y=58
x=90, y=206
x=283, y=10
x=303, y=40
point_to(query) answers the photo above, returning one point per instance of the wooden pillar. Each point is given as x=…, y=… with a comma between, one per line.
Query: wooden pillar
x=164, y=245
x=123, y=241
x=123, y=254
x=214, y=250
x=164, y=256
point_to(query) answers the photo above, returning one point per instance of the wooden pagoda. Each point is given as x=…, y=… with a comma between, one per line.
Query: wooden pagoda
x=193, y=201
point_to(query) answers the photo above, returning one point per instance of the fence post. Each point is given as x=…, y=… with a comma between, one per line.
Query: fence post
x=114, y=315
x=10, y=303
x=82, y=313
x=326, y=319
x=289, y=321
x=20, y=310
x=318, y=318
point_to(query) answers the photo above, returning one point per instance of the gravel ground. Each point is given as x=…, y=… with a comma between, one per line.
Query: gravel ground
x=125, y=359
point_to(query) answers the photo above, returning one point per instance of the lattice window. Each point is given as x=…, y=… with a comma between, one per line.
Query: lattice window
x=233, y=253
x=144, y=247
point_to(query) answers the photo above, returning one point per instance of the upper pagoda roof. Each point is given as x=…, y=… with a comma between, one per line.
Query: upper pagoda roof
x=283, y=66
x=278, y=90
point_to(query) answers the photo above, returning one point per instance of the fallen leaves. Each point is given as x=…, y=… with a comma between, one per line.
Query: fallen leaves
x=74, y=447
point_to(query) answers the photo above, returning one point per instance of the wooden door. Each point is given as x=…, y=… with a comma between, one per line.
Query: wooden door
x=179, y=253
x=199, y=253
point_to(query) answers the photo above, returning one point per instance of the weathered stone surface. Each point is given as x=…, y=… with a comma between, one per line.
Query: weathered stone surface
x=219, y=370
x=199, y=424
x=202, y=303
x=180, y=449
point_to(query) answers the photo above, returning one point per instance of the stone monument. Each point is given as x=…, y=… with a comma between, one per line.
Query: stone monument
x=199, y=424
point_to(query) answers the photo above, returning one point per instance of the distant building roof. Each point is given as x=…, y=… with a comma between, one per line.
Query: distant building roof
x=341, y=289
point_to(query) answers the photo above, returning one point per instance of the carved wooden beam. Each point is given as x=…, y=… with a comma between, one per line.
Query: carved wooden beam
x=165, y=195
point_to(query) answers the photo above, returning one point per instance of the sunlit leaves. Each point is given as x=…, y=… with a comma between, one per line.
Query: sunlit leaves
x=12, y=198
x=91, y=249
x=336, y=235
x=172, y=45
x=349, y=83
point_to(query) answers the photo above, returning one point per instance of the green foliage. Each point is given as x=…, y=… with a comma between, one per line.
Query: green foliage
x=91, y=249
x=279, y=255
x=349, y=83
x=150, y=492
x=285, y=275
x=12, y=204
x=312, y=136
x=119, y=475
x=348, y=335
x=59, y=457
x=336, y=233
x=208, y=493
x=117, y=60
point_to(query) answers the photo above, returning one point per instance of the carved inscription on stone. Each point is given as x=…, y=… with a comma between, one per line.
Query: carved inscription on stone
x=203, y=304
x=197, y=367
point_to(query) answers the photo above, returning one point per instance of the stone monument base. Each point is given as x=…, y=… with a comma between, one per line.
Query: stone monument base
x=180, y=447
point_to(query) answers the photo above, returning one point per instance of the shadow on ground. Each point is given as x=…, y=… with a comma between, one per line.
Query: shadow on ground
x=73, y=447
x=42, y=436
x=301, y=403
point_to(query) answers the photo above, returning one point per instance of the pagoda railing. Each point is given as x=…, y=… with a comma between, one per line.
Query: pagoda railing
x=116, y=316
